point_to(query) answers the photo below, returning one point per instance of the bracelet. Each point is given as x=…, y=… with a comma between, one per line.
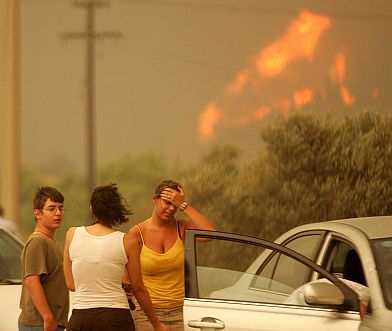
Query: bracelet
x=183, y=205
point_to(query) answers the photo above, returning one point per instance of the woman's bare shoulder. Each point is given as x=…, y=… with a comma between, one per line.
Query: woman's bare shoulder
x=132, y=239
x=134, y=230
x=70, y=232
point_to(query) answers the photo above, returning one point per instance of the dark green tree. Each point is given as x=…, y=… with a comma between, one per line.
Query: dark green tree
x=324, y=168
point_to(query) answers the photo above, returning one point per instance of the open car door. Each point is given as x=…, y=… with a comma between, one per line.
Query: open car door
x=235, y=282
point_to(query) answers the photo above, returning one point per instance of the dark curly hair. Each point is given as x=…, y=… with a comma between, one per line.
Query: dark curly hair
x=166, y=183
x=108, y=206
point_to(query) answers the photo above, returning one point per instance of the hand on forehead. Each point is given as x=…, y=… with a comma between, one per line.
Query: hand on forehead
x=170, y=190
x=171, y=193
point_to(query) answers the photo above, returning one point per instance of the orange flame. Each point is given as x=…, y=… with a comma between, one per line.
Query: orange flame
x=258, y=115
x=208, y=119
x=239, y=82
x=299, y=42
x=338, y=75
x=376, y=92
x=302, y=97
x=338, y=70
x=262, y=112
x=347, y=97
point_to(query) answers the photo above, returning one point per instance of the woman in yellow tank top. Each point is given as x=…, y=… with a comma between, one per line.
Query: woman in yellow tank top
x=162, y=254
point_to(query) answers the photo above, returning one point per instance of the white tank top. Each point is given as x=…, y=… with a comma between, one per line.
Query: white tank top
x=98, y=265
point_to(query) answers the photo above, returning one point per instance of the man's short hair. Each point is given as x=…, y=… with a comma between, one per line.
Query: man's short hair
x=44, y=193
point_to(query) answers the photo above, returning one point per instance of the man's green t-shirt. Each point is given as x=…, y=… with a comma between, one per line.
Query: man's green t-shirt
x=42, y=256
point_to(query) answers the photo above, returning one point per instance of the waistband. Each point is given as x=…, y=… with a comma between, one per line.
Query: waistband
x=98, y=310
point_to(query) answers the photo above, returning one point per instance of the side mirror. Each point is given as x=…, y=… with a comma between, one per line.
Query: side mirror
x=323, y=293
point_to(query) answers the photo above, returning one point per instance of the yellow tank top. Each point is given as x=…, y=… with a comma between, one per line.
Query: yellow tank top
x=163, y=274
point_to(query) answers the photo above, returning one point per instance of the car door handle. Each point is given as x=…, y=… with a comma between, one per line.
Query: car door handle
x=208, y=323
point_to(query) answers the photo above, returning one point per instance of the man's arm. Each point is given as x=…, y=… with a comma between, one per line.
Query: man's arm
x=363, y=293
x=38, y=297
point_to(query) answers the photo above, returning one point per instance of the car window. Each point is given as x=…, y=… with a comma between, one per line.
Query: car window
x=337, y=256
x=286, y=270
x=306, y=245
x=10, y=264
x=223, y=273
x=221, y=264
x=343, y=261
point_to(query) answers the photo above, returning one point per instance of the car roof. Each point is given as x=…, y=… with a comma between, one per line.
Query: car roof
x=375, y=227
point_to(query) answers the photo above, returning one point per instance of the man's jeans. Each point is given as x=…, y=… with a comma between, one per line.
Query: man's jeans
x=23, y=327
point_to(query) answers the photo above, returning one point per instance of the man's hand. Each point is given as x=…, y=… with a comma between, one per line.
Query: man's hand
x=50, y=325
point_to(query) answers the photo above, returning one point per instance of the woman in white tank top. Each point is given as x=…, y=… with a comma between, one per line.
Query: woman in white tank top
x=95, y=258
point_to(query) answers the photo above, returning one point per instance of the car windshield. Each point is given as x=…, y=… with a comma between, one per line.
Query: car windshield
x=10, y=265
x=383, y=253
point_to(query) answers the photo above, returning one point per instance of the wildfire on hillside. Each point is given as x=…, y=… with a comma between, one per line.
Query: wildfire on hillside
x=273, y=80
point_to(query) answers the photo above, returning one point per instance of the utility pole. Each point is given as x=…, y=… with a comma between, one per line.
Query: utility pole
x=90, y=36
x=10, y=110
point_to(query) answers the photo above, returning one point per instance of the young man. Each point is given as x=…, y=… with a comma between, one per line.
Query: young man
x=45, y=297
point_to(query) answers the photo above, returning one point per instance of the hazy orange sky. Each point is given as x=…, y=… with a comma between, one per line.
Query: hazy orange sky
x=186, y=74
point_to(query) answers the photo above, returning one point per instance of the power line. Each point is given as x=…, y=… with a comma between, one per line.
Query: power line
x=90, y=35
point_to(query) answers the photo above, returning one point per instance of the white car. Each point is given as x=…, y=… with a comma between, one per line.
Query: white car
x=10, y=280
x=236, y=282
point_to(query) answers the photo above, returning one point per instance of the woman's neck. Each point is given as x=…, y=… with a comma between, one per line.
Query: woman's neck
x=155, y=221
x=99, y=229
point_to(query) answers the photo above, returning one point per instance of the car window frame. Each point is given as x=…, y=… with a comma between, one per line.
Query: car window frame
x=323, y=234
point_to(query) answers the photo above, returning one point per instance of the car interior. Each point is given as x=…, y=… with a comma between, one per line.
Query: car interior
x=352, y=269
